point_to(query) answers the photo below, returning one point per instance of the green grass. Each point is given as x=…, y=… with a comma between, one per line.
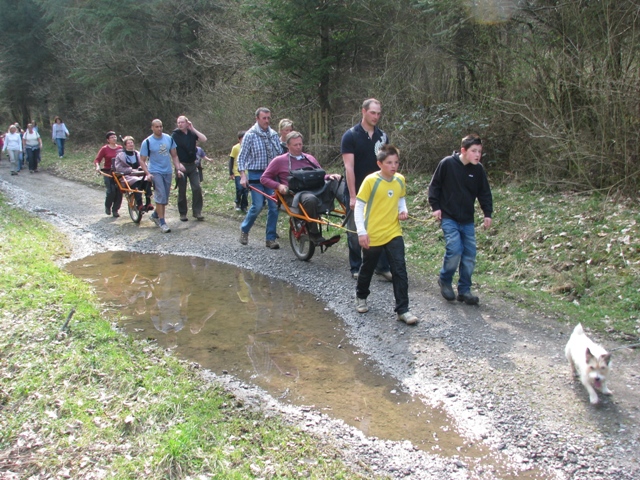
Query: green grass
x=92, y=402
x=566, y=256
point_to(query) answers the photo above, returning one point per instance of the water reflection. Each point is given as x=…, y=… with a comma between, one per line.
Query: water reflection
x=266, y=332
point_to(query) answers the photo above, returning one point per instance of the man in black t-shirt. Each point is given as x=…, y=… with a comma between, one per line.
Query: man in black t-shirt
x=185, y=137
x=359, y=147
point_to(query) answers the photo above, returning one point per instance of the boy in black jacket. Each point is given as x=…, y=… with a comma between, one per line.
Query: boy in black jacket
x=458, y=181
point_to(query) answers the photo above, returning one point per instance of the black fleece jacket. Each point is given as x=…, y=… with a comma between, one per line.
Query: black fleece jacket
x=455, y=187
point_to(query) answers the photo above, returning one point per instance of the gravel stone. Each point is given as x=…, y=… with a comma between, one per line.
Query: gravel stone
x=497, y=370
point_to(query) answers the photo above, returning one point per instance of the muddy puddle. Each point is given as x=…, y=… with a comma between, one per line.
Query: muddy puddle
x=268, y=333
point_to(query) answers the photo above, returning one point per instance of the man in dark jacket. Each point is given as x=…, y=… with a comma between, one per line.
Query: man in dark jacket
x=185, y=137
x=458, y=181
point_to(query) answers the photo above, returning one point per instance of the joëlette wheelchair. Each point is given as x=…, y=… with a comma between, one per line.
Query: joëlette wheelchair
x=332, y=213
x=128, y=192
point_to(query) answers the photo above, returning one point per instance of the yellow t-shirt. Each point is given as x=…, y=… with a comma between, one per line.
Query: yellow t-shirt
x=381, y=212
x=235, y=151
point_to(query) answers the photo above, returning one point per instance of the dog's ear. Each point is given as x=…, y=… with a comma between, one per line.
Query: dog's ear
x=589, y=355
x=607, y=358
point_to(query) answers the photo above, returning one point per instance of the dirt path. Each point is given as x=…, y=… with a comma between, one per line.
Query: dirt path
x=499, y=372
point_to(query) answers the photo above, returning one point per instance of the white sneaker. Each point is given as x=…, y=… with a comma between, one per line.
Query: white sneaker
x=164, y=228
x=386, y=275
x=361, y=305
x=408, y=318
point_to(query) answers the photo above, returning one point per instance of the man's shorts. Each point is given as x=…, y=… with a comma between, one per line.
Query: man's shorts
x=161, y=187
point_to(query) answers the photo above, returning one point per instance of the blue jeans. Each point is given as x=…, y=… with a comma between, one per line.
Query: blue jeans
x=460, y=253
x=60, y=143
x=257, y=202
x=394, y=251
x=355, y=251
x=241, y=195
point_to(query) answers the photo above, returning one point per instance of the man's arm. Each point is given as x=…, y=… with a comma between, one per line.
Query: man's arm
x=176, y=162
x=348, y=160
x=143, y=166
x=200, y=136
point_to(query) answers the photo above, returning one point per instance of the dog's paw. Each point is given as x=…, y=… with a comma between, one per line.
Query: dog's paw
x=593, y=399
x=606, y=391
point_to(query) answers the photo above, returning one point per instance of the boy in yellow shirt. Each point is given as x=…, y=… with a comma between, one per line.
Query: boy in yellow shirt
x=241, y=192
x=380, y=205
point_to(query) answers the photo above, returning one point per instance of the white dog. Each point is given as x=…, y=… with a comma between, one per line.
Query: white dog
x=590, y=362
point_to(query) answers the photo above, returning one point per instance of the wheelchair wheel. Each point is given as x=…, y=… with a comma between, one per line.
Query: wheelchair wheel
x=302, y=247
x=134, y=213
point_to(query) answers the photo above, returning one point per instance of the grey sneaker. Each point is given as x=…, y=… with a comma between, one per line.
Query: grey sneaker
x=183, y=218
x=361, y=305
x=408, y=318
x=154, y=218
x=386, y=275
x=354, y=275
x=273, y=244
x=164, y=228
x=244, y=238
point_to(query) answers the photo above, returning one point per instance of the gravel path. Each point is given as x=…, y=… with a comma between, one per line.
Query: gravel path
x=498, y=371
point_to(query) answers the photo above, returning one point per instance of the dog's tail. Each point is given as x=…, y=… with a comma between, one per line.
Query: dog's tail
x=578, y=330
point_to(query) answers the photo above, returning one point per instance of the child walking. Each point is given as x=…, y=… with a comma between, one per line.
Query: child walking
x=458, y=181
x=380, y=205
x=241, y=201
x=200, y=156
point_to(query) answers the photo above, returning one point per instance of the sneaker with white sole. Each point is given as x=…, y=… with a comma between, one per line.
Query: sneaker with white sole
x=164, y=228
x=361, y=305
x=154, y=218
x=408, y=318
x=386, y=275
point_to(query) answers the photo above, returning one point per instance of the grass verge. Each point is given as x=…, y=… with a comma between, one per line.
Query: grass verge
x=93, y=403
x=566, y=256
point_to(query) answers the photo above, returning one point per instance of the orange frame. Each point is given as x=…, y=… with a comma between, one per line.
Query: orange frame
x=279, y=199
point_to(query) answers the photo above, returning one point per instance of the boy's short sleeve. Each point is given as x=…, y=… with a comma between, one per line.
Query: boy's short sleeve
x=365, y=190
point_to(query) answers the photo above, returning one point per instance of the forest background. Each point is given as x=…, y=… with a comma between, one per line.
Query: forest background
x=553, y=87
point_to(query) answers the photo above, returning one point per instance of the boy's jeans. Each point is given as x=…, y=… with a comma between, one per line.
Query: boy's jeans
x=394, y=251
x=241, y=195
x=460, y=252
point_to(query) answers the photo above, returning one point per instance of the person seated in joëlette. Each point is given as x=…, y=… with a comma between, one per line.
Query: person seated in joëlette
x=135, y=172
x=276, y=177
